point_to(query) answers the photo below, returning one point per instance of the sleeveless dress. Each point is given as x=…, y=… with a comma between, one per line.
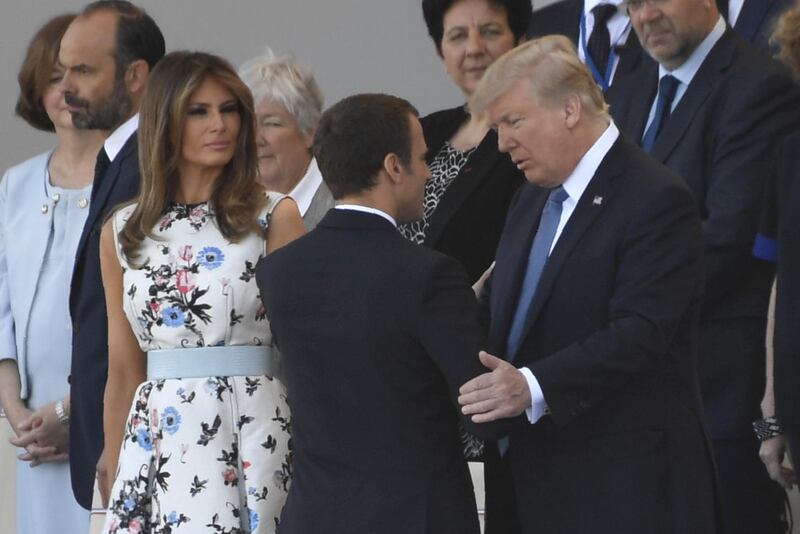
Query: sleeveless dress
x=201, y=454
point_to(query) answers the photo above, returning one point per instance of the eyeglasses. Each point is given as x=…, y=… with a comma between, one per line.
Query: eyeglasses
x=632, y=6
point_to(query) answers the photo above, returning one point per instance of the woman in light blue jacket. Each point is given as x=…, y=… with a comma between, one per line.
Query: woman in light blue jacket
x=43, y=206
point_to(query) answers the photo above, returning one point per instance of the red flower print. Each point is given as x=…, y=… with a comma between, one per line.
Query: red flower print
x=185, y=281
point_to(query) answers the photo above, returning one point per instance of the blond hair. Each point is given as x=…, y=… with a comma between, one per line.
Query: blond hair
x=553, y=67
x=787, y=36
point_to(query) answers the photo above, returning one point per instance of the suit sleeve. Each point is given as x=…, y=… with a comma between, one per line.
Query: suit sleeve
x=756, y=117
x=656, y=282
x=8, y=346
x=449, y=331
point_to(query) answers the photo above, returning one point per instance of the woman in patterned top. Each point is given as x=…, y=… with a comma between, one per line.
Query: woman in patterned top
x=472, y=182
x=192, y=403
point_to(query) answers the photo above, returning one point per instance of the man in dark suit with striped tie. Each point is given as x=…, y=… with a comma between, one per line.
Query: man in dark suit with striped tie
x=713, y=110
x=600, y=29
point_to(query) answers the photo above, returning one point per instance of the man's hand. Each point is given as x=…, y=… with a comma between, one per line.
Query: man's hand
x=501, y=393
x=103, y=480
x=772, y=452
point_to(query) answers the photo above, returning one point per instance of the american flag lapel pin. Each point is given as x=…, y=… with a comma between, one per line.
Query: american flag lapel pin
x=598, y=200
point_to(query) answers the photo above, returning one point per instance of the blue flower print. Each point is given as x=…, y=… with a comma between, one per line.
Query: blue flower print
x=144, y=440
x=129, y=504
x=172, y=518
x=170, y=420
x=253, y=520
x=210, y=257
x=172, y=316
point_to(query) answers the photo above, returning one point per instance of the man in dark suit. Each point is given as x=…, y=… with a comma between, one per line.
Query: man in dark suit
x=713, y=110
x=376, y=335
x=753, y=20
x=592, y=312
x=107, y=53
x=600, y=29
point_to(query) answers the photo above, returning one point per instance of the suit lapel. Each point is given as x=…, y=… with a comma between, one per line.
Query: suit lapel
x=701, y=86
x=512, y=261
x=586, y=212
x=635, y=111
x=102, y=190
x=575, y=12
x=630, y=55
x=471, y=175
x=750, y=18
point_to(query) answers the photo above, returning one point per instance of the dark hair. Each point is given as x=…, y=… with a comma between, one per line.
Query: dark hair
x=34, y=74
x=518, y=14
x=138, y=35
x=356, y=134
x=237, y=198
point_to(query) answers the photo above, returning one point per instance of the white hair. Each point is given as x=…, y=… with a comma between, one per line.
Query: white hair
x=282, y=79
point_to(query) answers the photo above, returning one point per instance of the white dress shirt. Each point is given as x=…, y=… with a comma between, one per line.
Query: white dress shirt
x=303, y=193
x=735, y=9
x=367, y=209
x=120, y=136
x=686, y=72
x=575, y=184
x=619, y=27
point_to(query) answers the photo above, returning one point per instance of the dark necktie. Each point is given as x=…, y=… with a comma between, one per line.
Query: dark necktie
x=599, y=44
x=100, y=168
x=667, y=88
x=540, y=250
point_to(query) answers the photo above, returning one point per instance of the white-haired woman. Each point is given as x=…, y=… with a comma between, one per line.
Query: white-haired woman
x=288, y=107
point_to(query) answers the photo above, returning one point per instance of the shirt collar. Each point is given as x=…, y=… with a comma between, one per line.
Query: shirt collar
x=588, y=5
x=577, y=182
x=367, y=209
x=685, y=73
x=303, y=193
x=120, y=136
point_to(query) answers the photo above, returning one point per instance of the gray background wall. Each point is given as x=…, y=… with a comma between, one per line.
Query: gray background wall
x=352, y=46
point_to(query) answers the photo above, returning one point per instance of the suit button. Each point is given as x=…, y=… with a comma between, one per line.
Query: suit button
x=69, y=379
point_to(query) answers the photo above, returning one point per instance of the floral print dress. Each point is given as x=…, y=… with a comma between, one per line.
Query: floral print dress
x=201, y=454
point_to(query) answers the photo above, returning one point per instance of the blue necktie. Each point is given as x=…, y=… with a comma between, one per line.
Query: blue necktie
x=667, y=88
x=540, y=250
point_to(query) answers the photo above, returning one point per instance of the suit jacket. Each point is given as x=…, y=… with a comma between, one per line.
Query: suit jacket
x=374, y=352
x=721, y=139
x=469, y=219
x=24, y=233
x=118, y=184
x=564, y=18
x=756, y=21
x=611, y=338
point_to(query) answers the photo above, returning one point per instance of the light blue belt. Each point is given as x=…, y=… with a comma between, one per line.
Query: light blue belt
x=240, y=360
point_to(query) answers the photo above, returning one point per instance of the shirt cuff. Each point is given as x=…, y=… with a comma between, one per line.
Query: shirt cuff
x=538, y=405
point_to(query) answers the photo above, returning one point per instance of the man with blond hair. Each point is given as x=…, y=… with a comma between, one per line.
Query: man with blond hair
x=592, y=316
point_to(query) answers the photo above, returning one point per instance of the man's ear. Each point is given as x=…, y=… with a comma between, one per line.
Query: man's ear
x=136, y=76
x=393, y=167
x=572, y=110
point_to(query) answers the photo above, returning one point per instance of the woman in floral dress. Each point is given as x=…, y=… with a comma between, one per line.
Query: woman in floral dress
x=204, y=447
